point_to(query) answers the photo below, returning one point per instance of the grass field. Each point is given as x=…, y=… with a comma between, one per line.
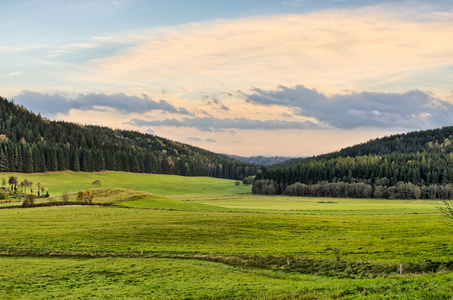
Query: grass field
x=156, y=240
x=136, y=278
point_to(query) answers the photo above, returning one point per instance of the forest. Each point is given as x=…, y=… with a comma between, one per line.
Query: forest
x=416, y=165
x=30, y=143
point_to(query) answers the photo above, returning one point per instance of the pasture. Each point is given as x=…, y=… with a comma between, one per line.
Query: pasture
x=170, y=237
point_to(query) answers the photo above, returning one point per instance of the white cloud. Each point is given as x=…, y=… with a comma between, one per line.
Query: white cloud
x=15, y=73
x=22, y=48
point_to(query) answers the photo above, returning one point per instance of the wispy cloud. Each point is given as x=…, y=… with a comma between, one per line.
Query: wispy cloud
x=22, y=48
x=217, y=124
x=194, y=139
x=335, y=50
x=59, y=103
x=15, y=73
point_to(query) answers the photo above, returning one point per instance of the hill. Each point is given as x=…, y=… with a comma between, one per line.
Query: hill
x=262, y=160
x=412, y=165
x=30, y=143
x=437, y=140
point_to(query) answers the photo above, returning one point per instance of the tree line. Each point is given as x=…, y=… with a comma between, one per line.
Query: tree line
x=30, y=143
x=438, y=140
x=398, y=176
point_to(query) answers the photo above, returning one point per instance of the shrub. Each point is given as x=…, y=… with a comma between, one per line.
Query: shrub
x=84, y=197
x=29, y=200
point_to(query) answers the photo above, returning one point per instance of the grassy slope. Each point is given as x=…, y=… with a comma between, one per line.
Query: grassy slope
x=171, y=186
x=206, y=215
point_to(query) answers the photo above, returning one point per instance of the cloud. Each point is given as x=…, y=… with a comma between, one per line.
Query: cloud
x=210, y=140
x=412, y=110
x=215, y=101
x=77, y=46
x=336, y=49
x=22, y=48
x=15, y=73
x=72, y=47
x=193, y=139
x=59, y=103
x=217, y=124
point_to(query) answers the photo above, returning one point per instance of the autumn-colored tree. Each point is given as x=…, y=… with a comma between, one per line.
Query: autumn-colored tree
x=84, y=197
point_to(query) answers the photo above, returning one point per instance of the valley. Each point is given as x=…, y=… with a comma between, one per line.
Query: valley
x=167, y=236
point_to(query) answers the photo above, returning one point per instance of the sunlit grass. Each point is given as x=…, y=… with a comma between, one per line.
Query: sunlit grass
x=172, y=215
x=113, y=229
x=165, y=185
x=144, y=278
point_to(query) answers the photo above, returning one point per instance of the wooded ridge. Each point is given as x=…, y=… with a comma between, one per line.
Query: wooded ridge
x=405, y=166
x=30, y=143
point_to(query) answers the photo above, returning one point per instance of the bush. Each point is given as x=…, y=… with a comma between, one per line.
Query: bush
x=84, y=197
x=29, y=200
x=248, y=180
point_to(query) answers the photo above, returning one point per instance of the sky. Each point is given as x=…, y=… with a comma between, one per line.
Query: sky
x=243, y=77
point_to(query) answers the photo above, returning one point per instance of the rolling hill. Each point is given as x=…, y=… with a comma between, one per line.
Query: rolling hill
x=30, y=143
x=412, y=165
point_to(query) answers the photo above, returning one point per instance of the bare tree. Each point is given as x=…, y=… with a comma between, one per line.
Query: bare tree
x=446, y=206
x=65, y=197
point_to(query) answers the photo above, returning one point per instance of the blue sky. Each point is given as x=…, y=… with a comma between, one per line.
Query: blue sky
x=290, y=77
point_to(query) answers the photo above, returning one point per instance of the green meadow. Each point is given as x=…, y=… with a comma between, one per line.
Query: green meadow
x=172, y=237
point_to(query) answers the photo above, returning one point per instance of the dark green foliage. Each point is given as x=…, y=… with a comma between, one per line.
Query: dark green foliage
x=262, y=160
x=394, y=176
x=438, y=140
x=35, y=144
x=247, y=180
x=407, y=166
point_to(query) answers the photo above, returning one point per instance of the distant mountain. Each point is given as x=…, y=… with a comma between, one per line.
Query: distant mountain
x=31, y=143
x=263, y=160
